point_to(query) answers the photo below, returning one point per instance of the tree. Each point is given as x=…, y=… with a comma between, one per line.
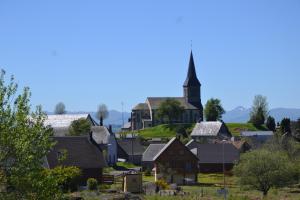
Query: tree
x=60, y=109
x=80, y=127
x=169, y=110
x=295, y=126
x=259, y=112
x=263, y=169
x=213, y=110
x=24, y=142
x=285, y=126
x=271, y=125
x=102, y=113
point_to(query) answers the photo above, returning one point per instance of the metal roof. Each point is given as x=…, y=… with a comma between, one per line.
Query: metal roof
x=256, y=133
x=152, y=151
x=63, y=120
x=207, y=129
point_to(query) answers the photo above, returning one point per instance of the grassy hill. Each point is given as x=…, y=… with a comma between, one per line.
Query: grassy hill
x=169, y=131
x=237, y=128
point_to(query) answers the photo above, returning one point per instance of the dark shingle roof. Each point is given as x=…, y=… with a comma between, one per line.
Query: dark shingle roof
x=152, y=151
x=80, y=153
x=213, y=153
x=191, y=79
x=156, y=101
x=131, y=146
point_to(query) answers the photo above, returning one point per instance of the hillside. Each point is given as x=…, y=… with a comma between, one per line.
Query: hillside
x=169, y=131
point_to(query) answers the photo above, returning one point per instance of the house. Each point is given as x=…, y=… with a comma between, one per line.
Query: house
x=261, y=136
x=131, y=150
x=80, y=152
x=210, y=130
x=241, y=145
x=143, y=115
x=149, y=154
x=212, y=156
x=105, y=139
x=176, y=163
x=61, y=123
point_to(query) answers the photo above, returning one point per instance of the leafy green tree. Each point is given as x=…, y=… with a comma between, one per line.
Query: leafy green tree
x=285, y=126
x=80, y=127
x=259, y=112
x=60, y=109
x=24, y=143
x=66, y=177
x=102, y=113
x=271, y=125
x=169, y=110
x=295, y=126
x=263, y=169
x=213, y=110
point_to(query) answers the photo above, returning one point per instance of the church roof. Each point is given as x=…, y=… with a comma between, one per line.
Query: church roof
x=191, y=79
x=156, y=101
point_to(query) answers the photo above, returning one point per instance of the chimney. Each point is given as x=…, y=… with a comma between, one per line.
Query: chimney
x=101, y=121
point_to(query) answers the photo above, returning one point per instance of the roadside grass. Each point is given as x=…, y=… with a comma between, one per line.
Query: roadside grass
x=125, y=165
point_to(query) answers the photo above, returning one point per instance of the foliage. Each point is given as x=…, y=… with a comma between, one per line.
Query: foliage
x=104, y=187
x=60, y=108
x=66, y=177
x=80, y=127
x=263, y=169
x=162, y=184
x=169, y=111
x=259, y=112
x=92, y=184
x=270, y=124
x=24, y=142
x=125, y=165
x=295, y=126
x=102, y=113
x=147, y=172
x=285, y=126
x=213, y=110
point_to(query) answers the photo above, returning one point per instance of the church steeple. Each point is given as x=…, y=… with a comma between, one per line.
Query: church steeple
x=191, y=79
x=192, y=86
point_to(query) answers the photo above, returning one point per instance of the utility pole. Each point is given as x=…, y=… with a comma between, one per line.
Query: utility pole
x=224, y=183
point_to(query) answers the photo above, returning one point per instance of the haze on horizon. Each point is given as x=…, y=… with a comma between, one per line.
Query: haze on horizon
x=85, y=53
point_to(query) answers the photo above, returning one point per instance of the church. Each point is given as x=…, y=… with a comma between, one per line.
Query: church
x=143, y=115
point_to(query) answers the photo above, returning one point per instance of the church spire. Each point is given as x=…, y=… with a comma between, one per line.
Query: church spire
x=191, y=79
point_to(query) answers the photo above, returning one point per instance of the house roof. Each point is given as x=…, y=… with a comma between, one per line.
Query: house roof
x=168, y=145
x=65, y=120
x=152, y=151
x=131, y=146
x=100, y=134
x=207, y=129
x=61, y=131
x=191, y=79
x=141, y=106
x=155, y=102
x=80, y=153
x=213, y=153
x=256, y=133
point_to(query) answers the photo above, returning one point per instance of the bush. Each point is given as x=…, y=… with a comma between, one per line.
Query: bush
x=66, y=177
x=92, y=184
x=147, y=172
x=162, y=184
x=104, y=187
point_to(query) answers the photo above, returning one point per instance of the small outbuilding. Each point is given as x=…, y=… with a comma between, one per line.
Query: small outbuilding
x=133, y=183
x=175, y=163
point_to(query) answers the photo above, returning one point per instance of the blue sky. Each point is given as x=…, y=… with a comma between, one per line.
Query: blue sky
x=89, y=52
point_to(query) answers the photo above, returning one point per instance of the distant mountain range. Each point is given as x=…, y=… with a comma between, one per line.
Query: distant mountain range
x=241, y=114
x=238, y=115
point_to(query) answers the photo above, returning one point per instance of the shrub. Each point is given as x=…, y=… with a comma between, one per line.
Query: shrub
x=92, y=184
x=147, y=172
x=104, y=187
x=162, y=184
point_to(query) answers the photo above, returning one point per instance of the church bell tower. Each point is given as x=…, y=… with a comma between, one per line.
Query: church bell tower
x=192, y=87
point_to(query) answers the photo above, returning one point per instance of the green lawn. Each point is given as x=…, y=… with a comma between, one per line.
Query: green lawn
x=237, y=128
x=164, y=130
x=126, y=165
